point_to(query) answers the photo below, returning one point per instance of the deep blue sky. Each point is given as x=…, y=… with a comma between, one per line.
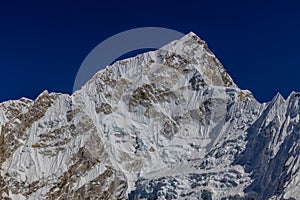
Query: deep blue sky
x=42, y=45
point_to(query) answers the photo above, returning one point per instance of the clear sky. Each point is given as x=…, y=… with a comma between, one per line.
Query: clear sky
x=42, y=45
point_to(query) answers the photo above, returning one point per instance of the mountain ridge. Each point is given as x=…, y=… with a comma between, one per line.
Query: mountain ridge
x=168, y=124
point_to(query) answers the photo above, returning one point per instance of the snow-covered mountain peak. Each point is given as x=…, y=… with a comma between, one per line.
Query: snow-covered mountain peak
x=197, y=52
x=188, y=55
x=166, y=124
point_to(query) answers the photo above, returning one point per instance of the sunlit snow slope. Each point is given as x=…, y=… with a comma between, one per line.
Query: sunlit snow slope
x=167, y=124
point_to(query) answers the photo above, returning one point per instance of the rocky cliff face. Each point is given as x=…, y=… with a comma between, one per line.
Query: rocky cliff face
x=167, y=124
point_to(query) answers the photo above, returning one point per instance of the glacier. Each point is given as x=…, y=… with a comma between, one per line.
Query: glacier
x=166, y=124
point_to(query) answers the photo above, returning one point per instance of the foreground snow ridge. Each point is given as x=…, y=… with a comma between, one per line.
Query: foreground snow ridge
x=167, y=124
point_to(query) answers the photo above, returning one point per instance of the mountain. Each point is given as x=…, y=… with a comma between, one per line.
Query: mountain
x=166, y=124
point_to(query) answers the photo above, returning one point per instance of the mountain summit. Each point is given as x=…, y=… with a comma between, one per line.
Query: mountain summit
x=166, y=124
